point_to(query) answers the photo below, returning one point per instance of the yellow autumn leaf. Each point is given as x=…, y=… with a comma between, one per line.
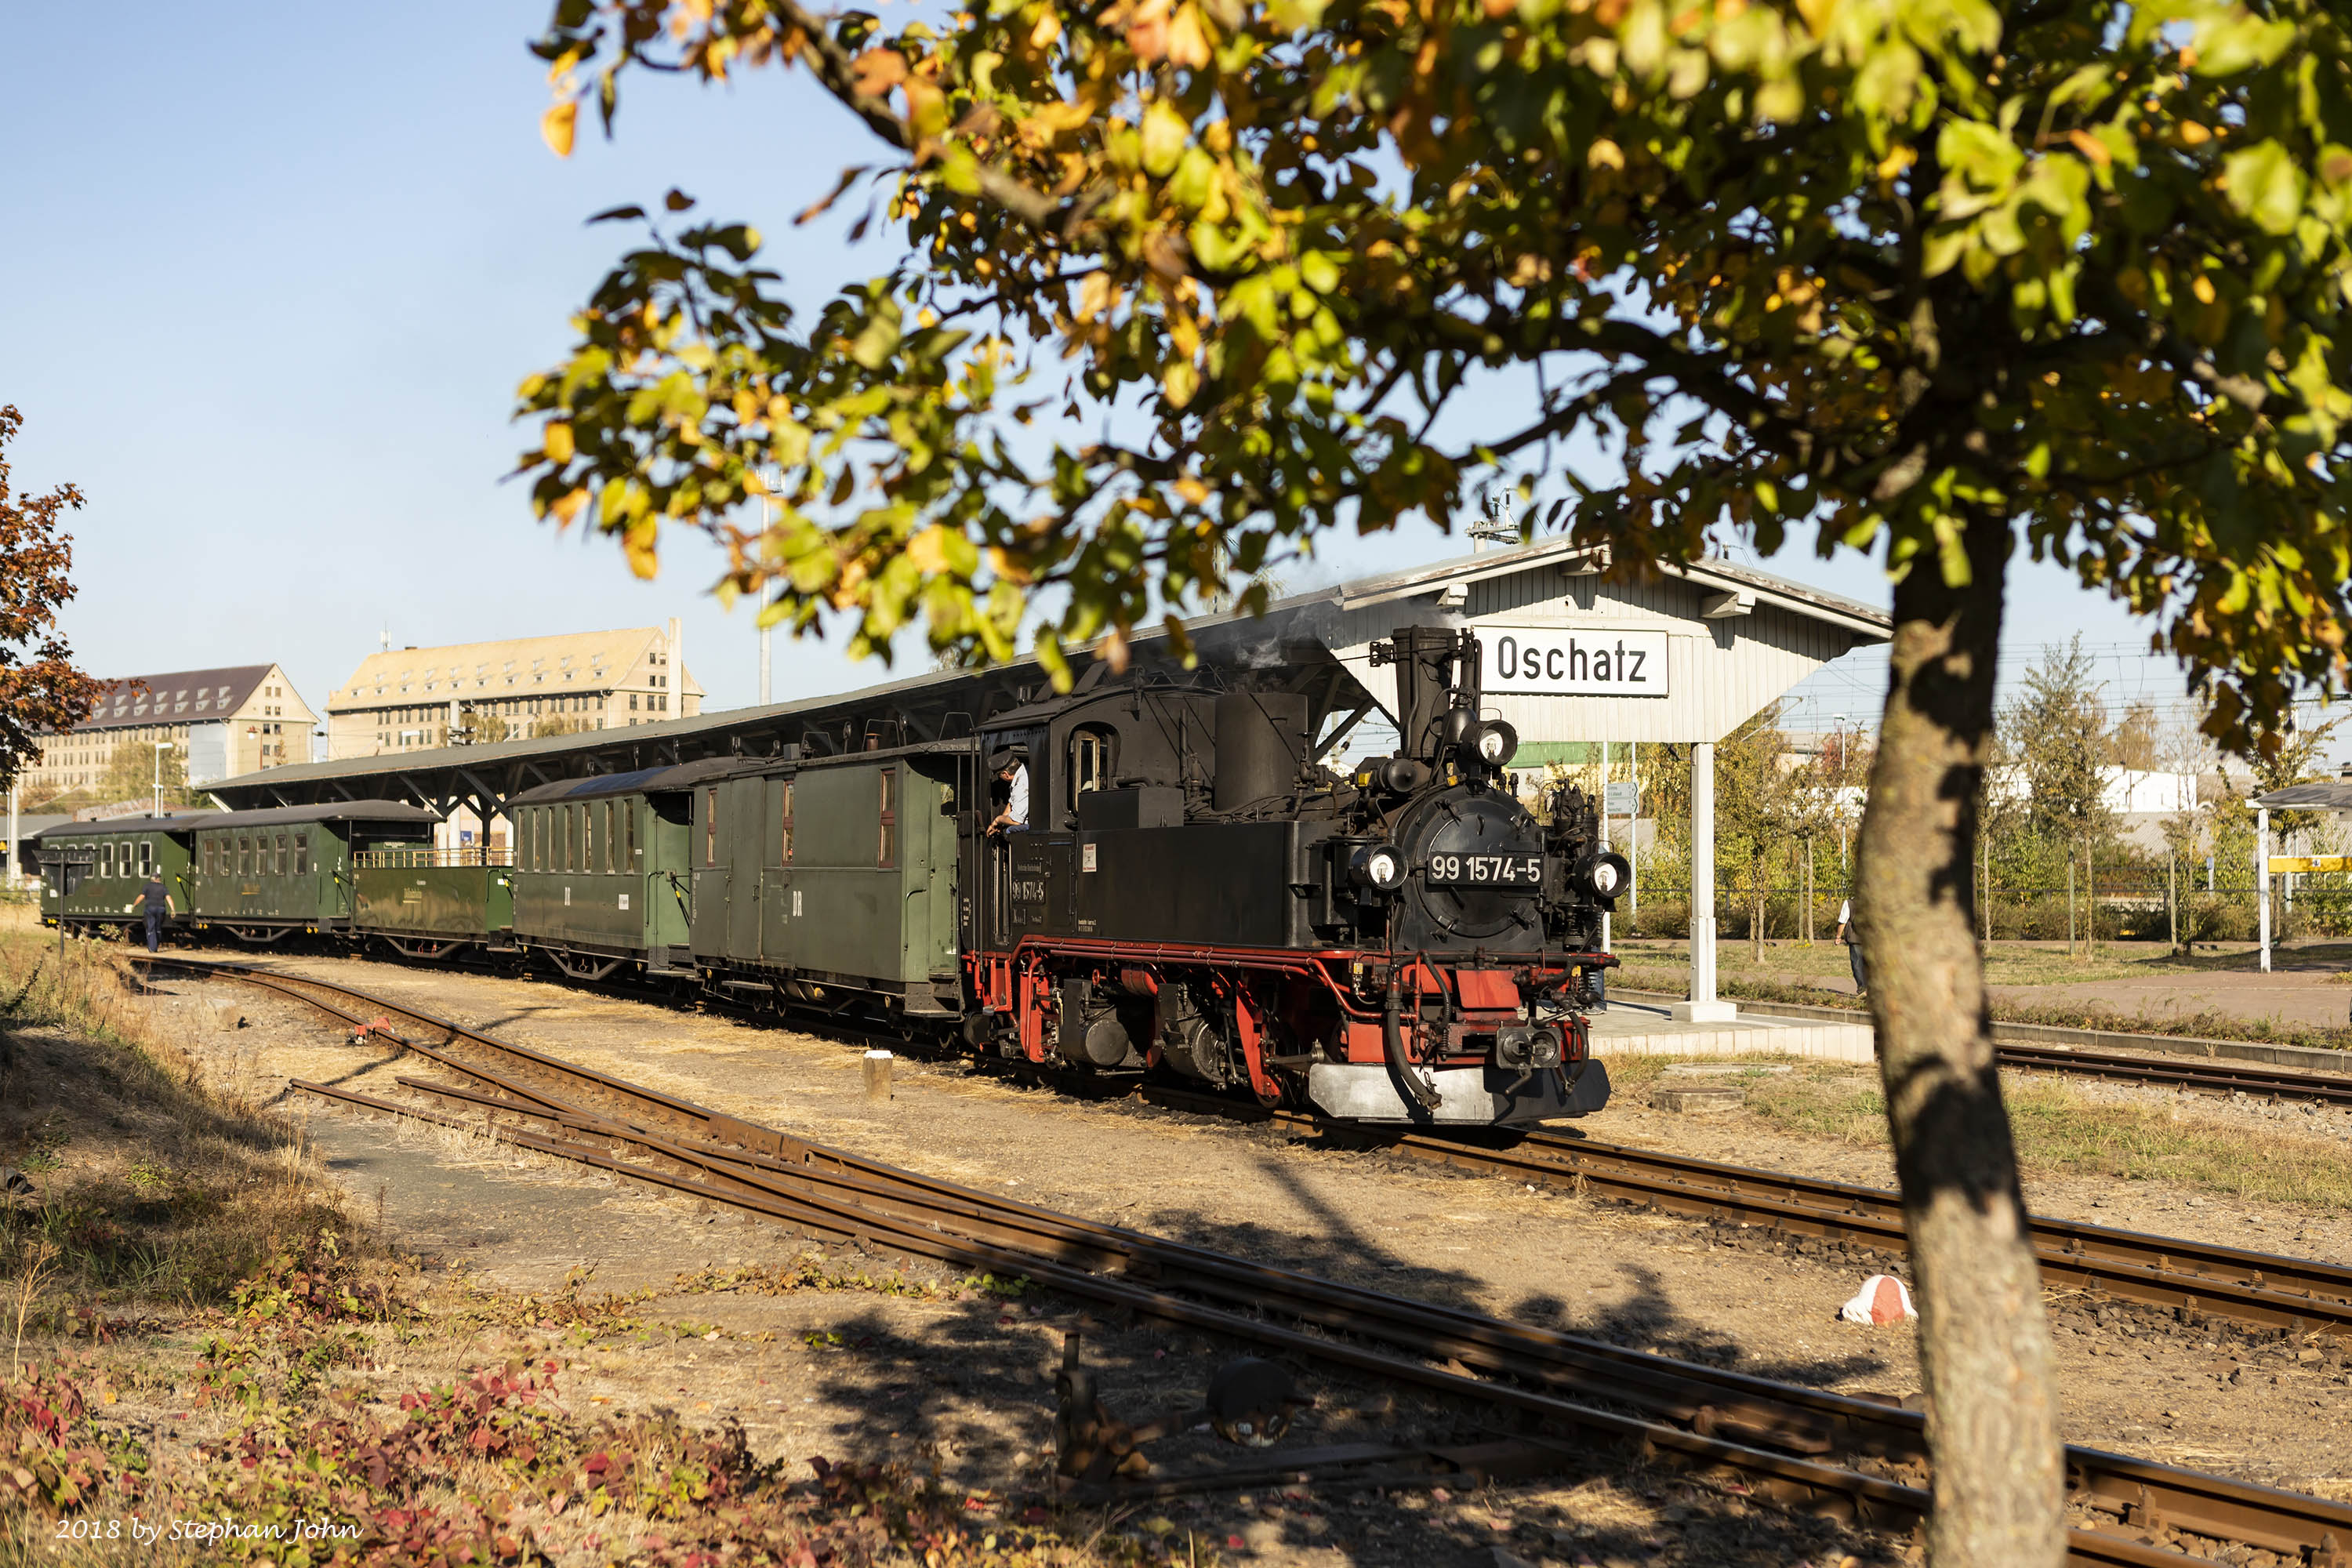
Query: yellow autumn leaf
x=1191, y=490
x=928, y=551
x=1188, y=38
x=567, y=507
x=558, y=441
x=555, y=127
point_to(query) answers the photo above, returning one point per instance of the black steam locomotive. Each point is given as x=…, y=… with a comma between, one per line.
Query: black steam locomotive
x=1409, y=943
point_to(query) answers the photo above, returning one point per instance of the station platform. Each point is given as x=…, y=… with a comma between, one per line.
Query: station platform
x=1641, y=1029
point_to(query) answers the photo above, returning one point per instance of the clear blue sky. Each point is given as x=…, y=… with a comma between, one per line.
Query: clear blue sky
x=273, y=272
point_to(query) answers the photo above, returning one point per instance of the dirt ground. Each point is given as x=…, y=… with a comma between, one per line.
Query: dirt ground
x=895, y=1360
x=2199, y=1395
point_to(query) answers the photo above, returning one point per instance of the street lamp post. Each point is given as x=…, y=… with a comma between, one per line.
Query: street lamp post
x=161, y=747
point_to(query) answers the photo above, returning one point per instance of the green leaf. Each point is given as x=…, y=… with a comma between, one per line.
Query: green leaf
x=2264, y=183
x=1165, y=134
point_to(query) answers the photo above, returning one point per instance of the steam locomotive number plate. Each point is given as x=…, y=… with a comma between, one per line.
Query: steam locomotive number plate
x=1482, y=870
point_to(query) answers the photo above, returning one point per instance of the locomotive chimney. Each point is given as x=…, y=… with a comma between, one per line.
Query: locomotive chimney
x=1430, y=662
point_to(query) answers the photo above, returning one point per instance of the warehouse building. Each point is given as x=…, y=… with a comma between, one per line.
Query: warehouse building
x=418, y=698
x=220, y=722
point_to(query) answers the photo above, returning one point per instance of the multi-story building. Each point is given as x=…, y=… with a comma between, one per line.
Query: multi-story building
x=223, y=721
x=417, y=697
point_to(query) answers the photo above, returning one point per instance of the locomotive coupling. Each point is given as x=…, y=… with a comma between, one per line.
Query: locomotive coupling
x=1525, y=1047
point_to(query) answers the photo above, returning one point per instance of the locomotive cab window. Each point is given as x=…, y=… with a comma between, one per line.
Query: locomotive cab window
x=1090, y=760
x=888, y=852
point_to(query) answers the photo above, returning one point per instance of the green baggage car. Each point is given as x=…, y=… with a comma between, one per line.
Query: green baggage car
x=262, y=874
x=832, y=881
x=92, y=871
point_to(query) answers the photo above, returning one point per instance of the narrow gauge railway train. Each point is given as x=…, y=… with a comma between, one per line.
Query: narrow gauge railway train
x=1192, y=894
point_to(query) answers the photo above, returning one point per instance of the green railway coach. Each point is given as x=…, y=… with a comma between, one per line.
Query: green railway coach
x=426, y=903
x=92, y=871
x=600, y=874
x=833, y=879
x=261, y=875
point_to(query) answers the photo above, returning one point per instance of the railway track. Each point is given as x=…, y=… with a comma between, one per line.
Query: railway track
x=2296, y=1294
x=1776, y=1438
x=2203, y=1075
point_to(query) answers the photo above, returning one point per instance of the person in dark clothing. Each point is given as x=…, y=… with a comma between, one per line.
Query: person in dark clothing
x=156, y=900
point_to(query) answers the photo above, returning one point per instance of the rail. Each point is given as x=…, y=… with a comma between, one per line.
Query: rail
x=1700, y=1417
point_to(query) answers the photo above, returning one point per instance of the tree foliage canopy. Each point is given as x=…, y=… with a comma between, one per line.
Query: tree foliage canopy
x=1872, y=263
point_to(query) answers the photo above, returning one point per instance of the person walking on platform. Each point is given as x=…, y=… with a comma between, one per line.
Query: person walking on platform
x=156, y=900
x=1845, y=934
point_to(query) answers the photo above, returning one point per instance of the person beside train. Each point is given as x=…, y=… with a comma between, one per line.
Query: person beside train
x=156, y=900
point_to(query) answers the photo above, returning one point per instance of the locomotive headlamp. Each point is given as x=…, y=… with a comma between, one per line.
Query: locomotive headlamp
x=1496, y=743
x=1607, y=874
x=1380, y=867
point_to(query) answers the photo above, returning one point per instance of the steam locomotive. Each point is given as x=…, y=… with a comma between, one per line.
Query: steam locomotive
x=1191, y=893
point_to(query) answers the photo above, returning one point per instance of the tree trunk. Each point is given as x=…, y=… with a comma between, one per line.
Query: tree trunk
x=1984, y=1344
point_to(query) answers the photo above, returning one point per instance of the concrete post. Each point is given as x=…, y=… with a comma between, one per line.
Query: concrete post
x=2263, y=879
x=15, y=876
x=1703, y=1008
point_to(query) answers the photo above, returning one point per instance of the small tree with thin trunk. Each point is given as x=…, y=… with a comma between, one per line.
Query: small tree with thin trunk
x=41, y=693
x=1187, y=284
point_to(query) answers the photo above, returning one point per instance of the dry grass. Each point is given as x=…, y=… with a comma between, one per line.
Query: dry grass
x=2061, y=1129
x=152, y=1186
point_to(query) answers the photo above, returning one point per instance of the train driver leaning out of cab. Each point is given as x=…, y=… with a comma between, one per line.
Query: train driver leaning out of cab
x=1013, y=767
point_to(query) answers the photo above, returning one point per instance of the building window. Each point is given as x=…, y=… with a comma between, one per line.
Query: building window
x=632, y=701
x=889, y=853
x=784, y=857
x=710, y=828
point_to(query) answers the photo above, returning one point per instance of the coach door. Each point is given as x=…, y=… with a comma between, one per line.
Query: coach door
x=709, y=877
x=740, y=845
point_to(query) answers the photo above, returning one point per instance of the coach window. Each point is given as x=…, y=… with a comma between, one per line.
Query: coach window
x=301, y=854
x=889, y=836
x=629, y=834
x=244, y=855
x=710, y=828
x=279, y=867
x=592, y=846
x=785, y=855
x=146, y=859
x=106, y=858
x=573, y=829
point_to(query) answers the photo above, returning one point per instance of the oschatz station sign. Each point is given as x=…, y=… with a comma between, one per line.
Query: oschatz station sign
x=1574, y=661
